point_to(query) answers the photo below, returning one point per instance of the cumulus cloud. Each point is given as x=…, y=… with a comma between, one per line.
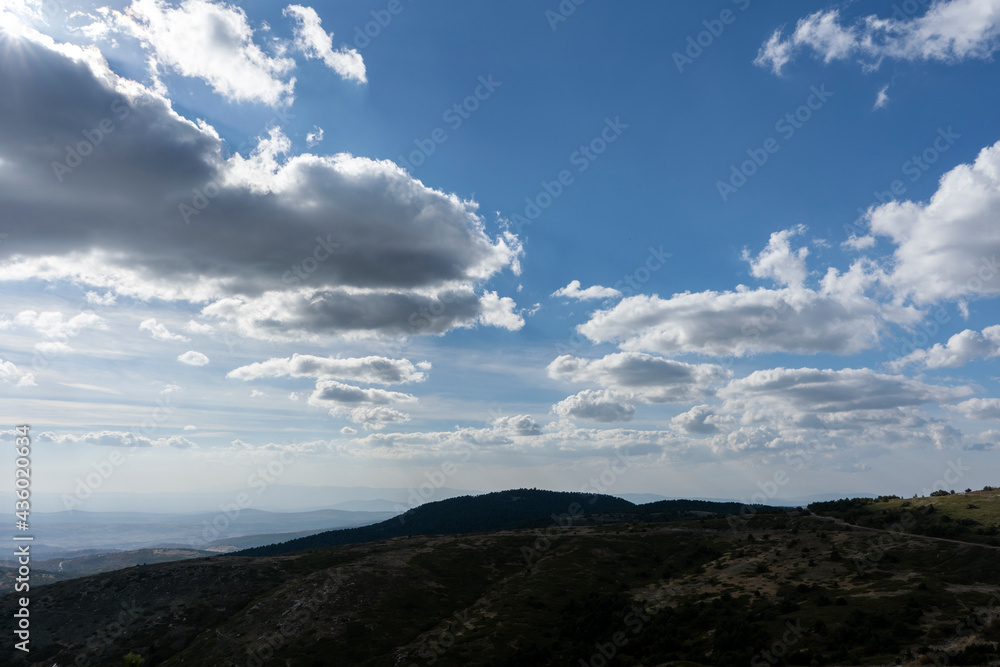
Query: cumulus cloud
x=950, y=31
x=641, y=377
x=11, y=373
x=600, y=406
x=840, y=315
x=947, y=247
x=372, y=369
x=315, y=43
x=573, y=291
x=159, y=331
x=982, y=409
x=517, y=425
x=961, y=348
x=778, y=261
x=370, y=407
x=498, y=311
x=699, y=420
x=374, y=418
x=209, y=41
x=314, y=137
x=193, y=358
x=52, y=324
x=820, y=392
x=837, y=318
x=274, y=244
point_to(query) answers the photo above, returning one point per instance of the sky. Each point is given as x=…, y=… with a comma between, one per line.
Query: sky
x=726, y=249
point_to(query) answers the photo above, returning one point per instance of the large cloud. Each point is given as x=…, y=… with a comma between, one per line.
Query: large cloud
x=640, y=377
x=838, y=316
x=814, y=395
x=947, y=248
x=961, y=348
x=372, y=369
x=950, y=31
x=207, y=40
x=600, y=406
x=105, y=184
x=314, y=42
x=979, y=408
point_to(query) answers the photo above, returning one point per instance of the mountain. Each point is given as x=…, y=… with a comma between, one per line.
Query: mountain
x=619, y=586
x=503, y=510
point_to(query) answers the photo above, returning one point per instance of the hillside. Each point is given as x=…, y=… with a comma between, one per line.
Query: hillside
x=709, y=592
x=501, y=510
x=970, y=516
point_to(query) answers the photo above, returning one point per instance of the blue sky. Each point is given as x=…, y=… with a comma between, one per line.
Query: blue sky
x=348, y=234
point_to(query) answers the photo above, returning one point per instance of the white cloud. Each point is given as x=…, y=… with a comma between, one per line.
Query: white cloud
x=192, y=358
x=701, y=419
x=314, y=42
x=199, y=328
x=840, y=315
x=573, y=291
x=51, y=324
x=960, y=349
x=210, y=41
x=778, y=261
x=108, y=299
x=601, y=406
x=950, y=31
x=314, y=137
x=190, y=427
x=375, y=418
x=99, y=438
x=257, y=393
x=983, y=409
x=881, y=98
x=333, y=394
x=116, y=439
x=347, y=430
x=947, y=247
x=372, y=369
x=641, y=377
x=826, y=392
x=517, y=425
x=11, y=373
x=159, y=331
x=498, y=311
